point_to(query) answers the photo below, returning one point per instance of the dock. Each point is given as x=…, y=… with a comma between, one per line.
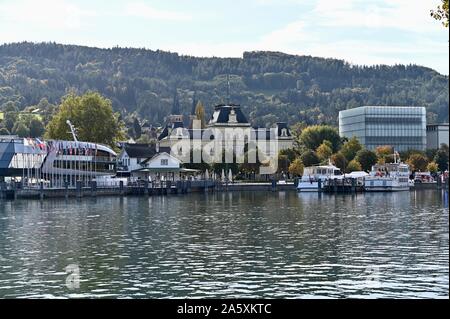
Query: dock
x=142, y=188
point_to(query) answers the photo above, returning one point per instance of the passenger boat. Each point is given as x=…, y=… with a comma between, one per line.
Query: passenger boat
x=313, y=177
x=388, y=177
x=71, y=161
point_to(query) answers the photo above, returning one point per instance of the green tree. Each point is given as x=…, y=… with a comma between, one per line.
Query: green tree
x=4, y=131
x=296, y=167
x=350, y=148
x=441, y=13
x=313, y=136
x=93, y=117
x=290, y=153
x=36, y=127
x=137, y=128
x=417, y=162
x=21, y=130
x=366, y=158
x=309, y=158
x=339, y=160
x=324, y=151
x=353, y=166
x=441, y=157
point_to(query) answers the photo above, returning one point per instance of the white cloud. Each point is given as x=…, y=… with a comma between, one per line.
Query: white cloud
x=44, y=13
x=142, y=10
x=410, y=15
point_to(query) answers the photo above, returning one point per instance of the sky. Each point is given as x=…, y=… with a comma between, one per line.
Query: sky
x=364, y=32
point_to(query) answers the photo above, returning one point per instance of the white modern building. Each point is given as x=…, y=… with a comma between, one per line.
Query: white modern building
x=437, y=134
x=402, y=127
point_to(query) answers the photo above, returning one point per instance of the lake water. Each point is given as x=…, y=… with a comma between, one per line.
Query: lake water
x=246, y=244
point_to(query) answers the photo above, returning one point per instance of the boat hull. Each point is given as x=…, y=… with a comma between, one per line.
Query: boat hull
x=385, y=185
x=308, y=187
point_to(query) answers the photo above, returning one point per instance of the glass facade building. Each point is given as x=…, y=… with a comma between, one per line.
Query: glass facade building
x=403, y=127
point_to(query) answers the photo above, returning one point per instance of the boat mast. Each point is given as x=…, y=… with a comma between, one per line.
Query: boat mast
x=72, y=130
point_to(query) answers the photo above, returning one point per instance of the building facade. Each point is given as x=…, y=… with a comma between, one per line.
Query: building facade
x=228, y=128
x=437, y=134
x=402, y=127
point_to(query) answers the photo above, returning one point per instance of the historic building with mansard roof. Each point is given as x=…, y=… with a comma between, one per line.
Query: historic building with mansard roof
x=231, y=124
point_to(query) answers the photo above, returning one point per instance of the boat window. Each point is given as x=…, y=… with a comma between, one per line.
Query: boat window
x=337, y=172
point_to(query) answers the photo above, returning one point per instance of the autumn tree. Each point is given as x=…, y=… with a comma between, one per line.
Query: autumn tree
x=353, y=166
x=432, y=167
x=93, y=117
x=200, y=113
x=296, y=167
x=384, y=153
x=324, y=151
x=339, y=160
x=441, y=13
x=417, y=162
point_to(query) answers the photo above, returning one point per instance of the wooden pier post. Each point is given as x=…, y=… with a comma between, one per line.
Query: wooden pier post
x=79, y=189
x=93, y=188
x=66, y=186
x=41, y=190
x=121, y=188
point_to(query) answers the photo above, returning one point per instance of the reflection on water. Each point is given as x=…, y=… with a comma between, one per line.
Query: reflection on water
x=248, y=244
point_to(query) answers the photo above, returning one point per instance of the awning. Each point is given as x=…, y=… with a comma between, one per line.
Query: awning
x=159, y=169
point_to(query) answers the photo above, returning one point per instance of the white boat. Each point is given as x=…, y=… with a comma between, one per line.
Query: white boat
x=388, y=177
x=313, y=177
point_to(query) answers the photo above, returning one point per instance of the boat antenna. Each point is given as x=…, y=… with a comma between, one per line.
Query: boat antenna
x=72, y=130
x=228, y=89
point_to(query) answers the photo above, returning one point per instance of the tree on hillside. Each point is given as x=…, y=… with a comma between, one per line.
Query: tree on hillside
x=93, y=117
x=366, y=158
x=313, y=136
x=441, y=13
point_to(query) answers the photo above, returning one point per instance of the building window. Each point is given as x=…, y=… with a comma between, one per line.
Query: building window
x=164, y=162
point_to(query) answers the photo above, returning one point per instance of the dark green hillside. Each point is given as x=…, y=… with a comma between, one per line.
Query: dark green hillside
x=270, y=86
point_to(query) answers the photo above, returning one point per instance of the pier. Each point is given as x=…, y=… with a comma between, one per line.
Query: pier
x=141, y=188
x=344, y=185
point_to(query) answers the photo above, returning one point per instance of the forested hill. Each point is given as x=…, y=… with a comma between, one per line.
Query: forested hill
x=270, y=86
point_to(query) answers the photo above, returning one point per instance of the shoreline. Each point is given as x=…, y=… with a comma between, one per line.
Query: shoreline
x=179, y=189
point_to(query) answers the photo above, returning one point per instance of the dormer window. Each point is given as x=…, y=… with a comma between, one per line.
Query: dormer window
x=232, y=117
x=284, y=132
